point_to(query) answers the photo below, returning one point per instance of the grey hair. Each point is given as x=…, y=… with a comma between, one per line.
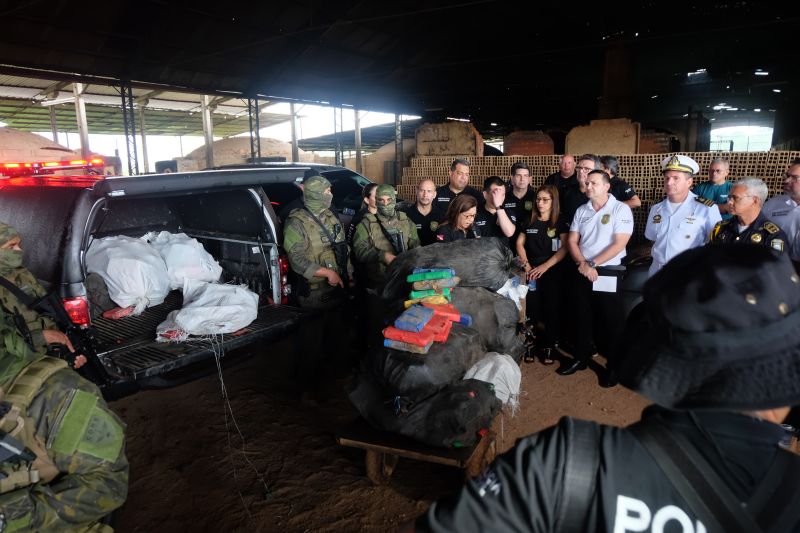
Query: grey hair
x=756, y=187
x=721, y=160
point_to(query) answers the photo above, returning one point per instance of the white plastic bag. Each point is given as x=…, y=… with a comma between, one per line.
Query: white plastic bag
x=185, y=258
x=514, y=290
x=132, y=269
x=209, y=309
x=501, y=371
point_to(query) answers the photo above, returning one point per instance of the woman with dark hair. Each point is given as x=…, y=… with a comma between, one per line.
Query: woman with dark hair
x=369, y=205
x=459, y=220
x=541, y=247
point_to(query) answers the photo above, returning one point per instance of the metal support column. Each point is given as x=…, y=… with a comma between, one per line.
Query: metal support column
x=357, y=130
x=253, y=112
x=208, y=129
x=337, y=125
x=54, y=123
x=145, y=160
x=129, y=123
x=295, y=148
x=398, y=149
x=80, y=116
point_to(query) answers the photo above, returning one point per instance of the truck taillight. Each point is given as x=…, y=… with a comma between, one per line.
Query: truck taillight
x=78, y=311
x=286, y=289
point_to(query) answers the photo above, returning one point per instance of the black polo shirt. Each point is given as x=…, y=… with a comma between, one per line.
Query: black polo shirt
x=446, y=233
x=523, y=489
x=561, y=182
x=621, y=190
x=445, y=195
x=426, y=224
x=543, y=240
x=519, y=209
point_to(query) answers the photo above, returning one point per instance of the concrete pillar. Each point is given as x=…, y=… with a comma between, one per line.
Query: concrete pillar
x=357, y=129
x=144, y=138
x=295, y=148
x=208, y=129
x=80, y=117
x=398, y=149
x=53, y=124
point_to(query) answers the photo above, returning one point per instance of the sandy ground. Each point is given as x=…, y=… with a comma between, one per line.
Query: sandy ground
x=191, y=471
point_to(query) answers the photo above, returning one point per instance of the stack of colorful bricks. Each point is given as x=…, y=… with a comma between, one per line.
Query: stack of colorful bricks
x=429, y=315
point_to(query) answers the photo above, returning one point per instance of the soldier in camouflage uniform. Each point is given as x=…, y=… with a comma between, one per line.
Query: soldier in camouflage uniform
x=311, y=238
x=371, y=246
x=43, y=330
x=80, y=473
x=373, y=251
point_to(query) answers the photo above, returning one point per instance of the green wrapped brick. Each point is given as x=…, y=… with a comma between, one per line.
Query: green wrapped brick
x=430, y=292
x=437, y=274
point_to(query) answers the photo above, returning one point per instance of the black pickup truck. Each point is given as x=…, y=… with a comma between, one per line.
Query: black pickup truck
x=228, y=211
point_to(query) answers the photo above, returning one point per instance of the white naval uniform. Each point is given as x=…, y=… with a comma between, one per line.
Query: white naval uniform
x=688, y=227
x=597, y=228
x=784, y=212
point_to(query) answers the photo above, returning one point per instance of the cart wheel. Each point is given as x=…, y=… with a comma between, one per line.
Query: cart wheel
x=481, y=458
x=380, y=466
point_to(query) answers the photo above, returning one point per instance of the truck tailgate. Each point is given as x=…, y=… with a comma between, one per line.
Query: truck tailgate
x=127, y=347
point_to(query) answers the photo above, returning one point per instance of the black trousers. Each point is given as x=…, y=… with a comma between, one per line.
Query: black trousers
x=597, y=317
x=545, y=304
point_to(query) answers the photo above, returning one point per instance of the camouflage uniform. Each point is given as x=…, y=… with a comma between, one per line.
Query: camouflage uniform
x=370, y=244
x=27, y=282
x=309, y=248
x=79, y=443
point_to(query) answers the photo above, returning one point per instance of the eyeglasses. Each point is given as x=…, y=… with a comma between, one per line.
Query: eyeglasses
x=736, y=198
x=585, y=168
x=544, y=199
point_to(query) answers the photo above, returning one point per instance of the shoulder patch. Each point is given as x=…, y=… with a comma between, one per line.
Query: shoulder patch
x=705, y=201
x=88, y=429
x=771, y=227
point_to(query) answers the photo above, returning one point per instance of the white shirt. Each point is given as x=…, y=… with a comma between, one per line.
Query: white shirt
x=689, y=226
x=784, y=212
x=597, y=228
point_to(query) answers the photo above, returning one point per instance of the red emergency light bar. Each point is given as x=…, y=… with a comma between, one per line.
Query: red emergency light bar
x=48, y=167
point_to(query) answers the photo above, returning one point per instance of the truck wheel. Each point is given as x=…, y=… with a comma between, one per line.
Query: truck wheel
x=380, y=466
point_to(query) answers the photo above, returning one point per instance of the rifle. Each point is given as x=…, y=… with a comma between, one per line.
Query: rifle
x=83, y=340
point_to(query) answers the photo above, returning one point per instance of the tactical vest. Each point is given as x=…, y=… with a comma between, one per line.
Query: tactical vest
x=320, y=250
x=376, y=271
x=18, y=424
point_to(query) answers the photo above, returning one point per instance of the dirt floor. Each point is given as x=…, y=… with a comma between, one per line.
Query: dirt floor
x=191, y=471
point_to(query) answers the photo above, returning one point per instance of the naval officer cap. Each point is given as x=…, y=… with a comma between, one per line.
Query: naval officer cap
x=680, y=163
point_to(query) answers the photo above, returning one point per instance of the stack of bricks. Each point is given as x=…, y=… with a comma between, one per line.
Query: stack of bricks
x=642, y=171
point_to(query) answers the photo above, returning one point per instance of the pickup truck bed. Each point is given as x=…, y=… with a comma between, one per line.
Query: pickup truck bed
x=127, y=347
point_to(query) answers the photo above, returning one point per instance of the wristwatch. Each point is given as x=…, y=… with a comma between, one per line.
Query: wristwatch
x=591, y=263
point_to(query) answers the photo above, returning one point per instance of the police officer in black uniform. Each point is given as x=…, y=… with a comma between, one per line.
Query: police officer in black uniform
x=542, y=246
x=520, y=198
x=492, y=220
x=425, y=213
x=748, y=223
x=716, y=346
x=458, y=185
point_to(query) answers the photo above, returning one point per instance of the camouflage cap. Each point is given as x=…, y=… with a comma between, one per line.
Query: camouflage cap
x=7, y=232
x=316, y=184
x=386, y=190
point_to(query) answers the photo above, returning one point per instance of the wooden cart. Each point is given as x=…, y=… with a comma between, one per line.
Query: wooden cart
x=383, y=449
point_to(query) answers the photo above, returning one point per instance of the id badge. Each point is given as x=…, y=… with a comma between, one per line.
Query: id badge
x=556, y=244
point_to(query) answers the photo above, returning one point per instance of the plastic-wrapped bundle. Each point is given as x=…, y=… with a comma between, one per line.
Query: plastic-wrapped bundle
x=477, y=262
x=185, y=258
x=417, y=375
x=501, y=371
x=134, y=272
x=495, y=317
x=449, y=416
x=209, y=309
